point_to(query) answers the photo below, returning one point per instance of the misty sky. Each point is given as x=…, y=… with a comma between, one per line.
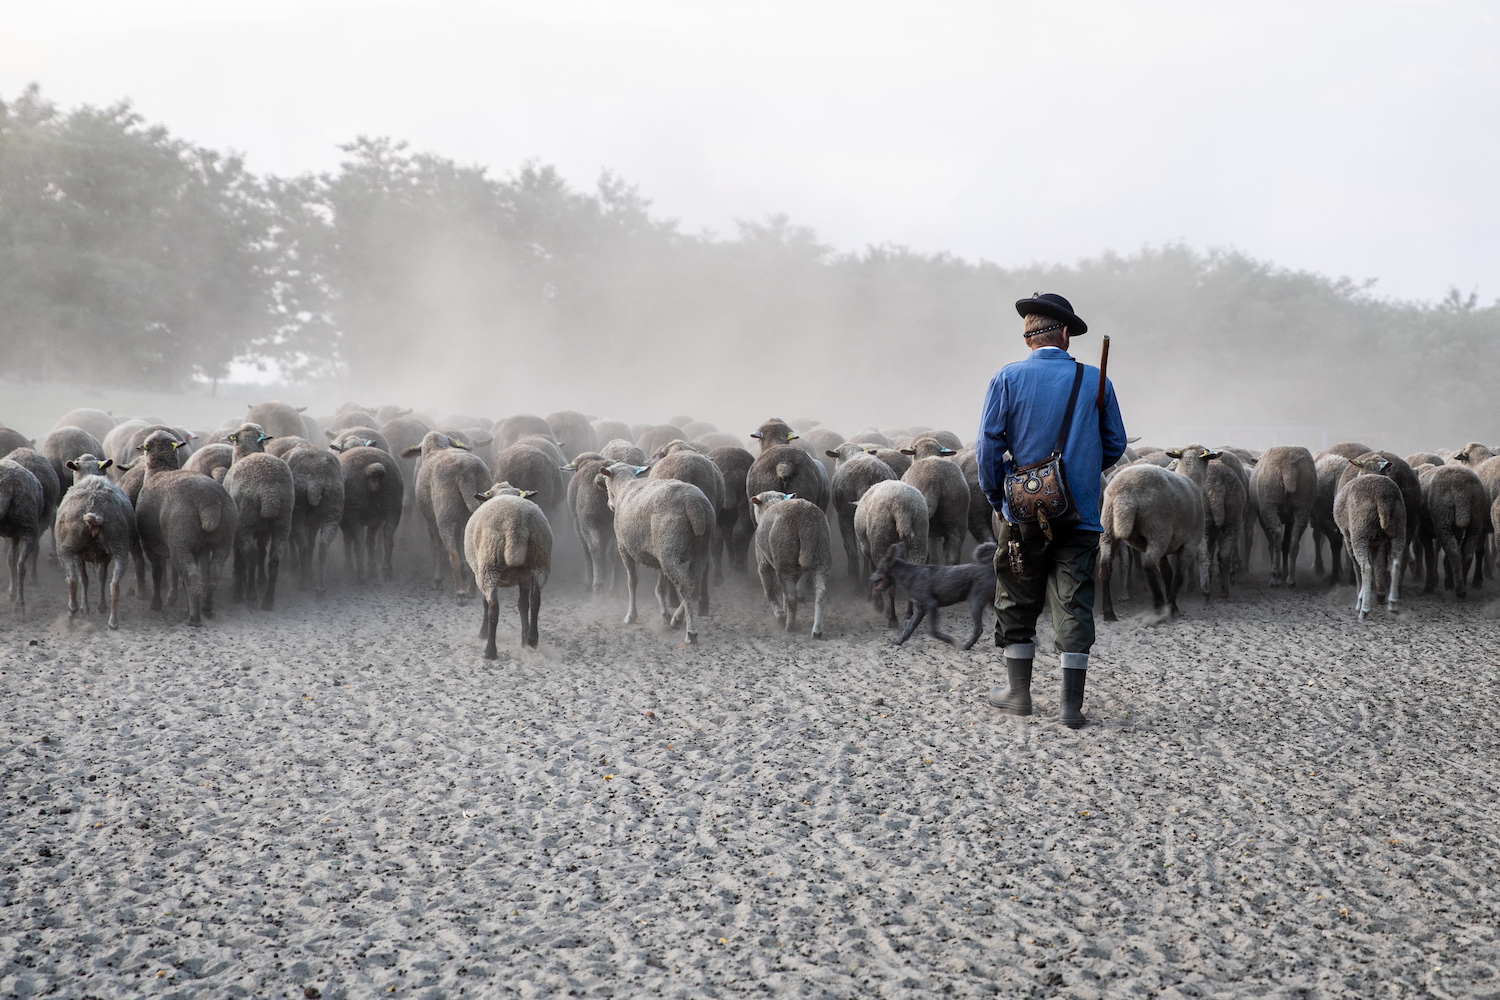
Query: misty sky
x=1351, y=138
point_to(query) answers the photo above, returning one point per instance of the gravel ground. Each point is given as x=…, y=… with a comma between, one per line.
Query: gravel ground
x=1273, y=800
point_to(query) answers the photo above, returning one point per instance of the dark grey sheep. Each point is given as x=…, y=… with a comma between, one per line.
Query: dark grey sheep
x=1284, y=486
x=20, y=521
x=186, y=519
x=448, y=479
x=606, y=430
x=667, y=525
x=530, y=468
x=1223, y=511
x=1330, y=470
x=95, y=524
x=690, y=467
x=278, y=418
x=653, y=437
x=357, y=437
x=947, y=496
x=1454, y=515
x=317, y=510
x=1371, y=513
x=870, y=435
x=264, y=494
x=97, y=423
x=1348, y=449
x=214, y=460
x=508, y=542
x=372, y=509
x=588, y=502
x=890, y=512
x=512, y=429
x=735, y=522
x=784, y=468
x=573, y=433
x=621, y=450
x=791, y=541
x=64, y=444
x=38, y=466
x=981, y=514
x=855, y=472
x=11, y=439
x=348, y=420
x=897, y=462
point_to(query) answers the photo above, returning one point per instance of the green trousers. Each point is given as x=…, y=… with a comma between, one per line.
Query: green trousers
x=1061, y=571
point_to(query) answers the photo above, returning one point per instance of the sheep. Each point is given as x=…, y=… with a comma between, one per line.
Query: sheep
x=317, y=509
x=528, y=467
x=694, y=428
x=691, y=467
x=1371, y=513
x=666, y=524
x=1158, y=514
x=1424, y=458
x=448, y=479
x=348, y=420
x=735, y=522
x=20, y=521
x=1348, y=449
x=11, y=439
x=264, y=494
x=1285, y=485
x=890, y=511
x=870, y=435
x=402, y=433
x=508, y=543
x=855, y=471
x=894, y=459
x=214, y=460
x=947, y=495
x=1223, y=511
x=38, y=466
x=621, y=450
x=785, y=468
x=373, y=493
x=1405, y=479
x=279, y=447
x=1330, y=469
x=573, y=433
x=186, y=519
x=981, y=514
x=64, y=444
x=130, y=444
x=278, y=419
x=607, y=430
x=653, y=437
x=791, y=541
x=672, y=447
x=96, y=423
x=588, y=502
x=357, y=437
x=465, y=422
x=391, y=411
x=95, y=524
x=718, y=439
x=1474, y=454
x=1455, y=510
x=512, y=429
x=820, y=441
x=548, y=444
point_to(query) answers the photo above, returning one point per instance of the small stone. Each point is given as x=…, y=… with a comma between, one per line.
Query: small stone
x=311, y=992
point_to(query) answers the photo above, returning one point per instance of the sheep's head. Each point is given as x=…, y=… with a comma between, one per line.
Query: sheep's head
x=846, y=451
x=613, y=476
x=250, y=439
x=676, y=446
x=927, y=446
x=432, y=442
x=87, y=465
x=1192, y=462
x=762, y=502
x=161, y=451
x=504, y=490
x=773, y=432
x=1373, y=464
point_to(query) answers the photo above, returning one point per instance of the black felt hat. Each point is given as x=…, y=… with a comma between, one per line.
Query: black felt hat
x=1055, y=306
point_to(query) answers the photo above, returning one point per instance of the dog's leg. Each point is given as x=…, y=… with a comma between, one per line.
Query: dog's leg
x=911, y=625
x=932, y=626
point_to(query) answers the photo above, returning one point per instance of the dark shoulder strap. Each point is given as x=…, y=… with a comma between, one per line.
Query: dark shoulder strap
x=1067, y=424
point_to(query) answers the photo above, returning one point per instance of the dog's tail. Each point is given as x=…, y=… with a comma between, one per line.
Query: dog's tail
x=984, y=552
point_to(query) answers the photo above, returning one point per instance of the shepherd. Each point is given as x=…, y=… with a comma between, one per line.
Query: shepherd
x=1050, y=427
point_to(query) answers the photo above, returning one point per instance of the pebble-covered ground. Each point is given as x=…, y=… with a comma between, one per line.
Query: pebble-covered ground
x=1273, y=800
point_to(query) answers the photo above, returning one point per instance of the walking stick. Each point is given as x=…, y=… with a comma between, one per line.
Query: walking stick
x=1103, y=366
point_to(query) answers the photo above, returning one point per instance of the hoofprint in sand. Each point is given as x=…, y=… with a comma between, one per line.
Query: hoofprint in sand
x=1272, y=800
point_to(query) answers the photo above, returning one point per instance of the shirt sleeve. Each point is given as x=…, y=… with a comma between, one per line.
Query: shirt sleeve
x=992, y=443
x=1111, y=427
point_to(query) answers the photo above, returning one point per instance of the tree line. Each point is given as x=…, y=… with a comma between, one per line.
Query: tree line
x=127, y=254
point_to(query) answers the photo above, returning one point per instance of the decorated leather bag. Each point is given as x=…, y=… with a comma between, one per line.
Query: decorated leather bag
x=1038, y=493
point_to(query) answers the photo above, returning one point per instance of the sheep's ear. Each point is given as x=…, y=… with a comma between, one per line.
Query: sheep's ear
x=945, y=450
x=457, y=443
x=788, y=496
x=127, y=468
x=755, y=500
x=641, y=469
x=1209, y=456
x=369, y=444
x=792, y=436
x=300, y=408
x=527, y=493
x=105, y=464
x=908, y=451
x=331, y=435
x=178, y=444
x=1133, y=440
x=606, y=473
x=1355, y=461
x=412, y=452
x=72, y=465
x=266, y=437
x=756, y=435
x=1177, y=453
x=831, y=454
x=335, y=447
x=481, y=497
x=570, y=467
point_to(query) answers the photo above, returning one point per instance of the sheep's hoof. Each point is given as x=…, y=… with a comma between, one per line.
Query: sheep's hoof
x=195, y=622
x=155, y=604
x=113, y=623
x=817, y=635
x=692, y=637
x=630, y=619
x=491, y=654
x=1109, y=616
x=1391, y=606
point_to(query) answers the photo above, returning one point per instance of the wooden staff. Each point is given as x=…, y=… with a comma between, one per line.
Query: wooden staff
x=1103, y=366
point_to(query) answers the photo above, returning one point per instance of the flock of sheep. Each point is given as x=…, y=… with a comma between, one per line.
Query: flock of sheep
x=683, y=499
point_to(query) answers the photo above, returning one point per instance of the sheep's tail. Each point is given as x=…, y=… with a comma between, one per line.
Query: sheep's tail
x=4, y=504
x=1216, y=506
x=314, y=492
x=1461, y=515
x=219, y=474
x=785, y=471
x=517, y=545
x=209, y=516
x=1289, y=477
x=270, y=506
x=1386, y=512
x=701, y=524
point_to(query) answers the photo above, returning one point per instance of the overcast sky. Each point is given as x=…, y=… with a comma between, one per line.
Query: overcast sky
x=1354, y=139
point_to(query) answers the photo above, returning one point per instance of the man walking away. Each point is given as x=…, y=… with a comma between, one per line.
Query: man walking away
x=1024, y=411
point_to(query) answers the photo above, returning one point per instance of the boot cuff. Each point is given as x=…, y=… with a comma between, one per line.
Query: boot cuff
x=1020, y=651
x=1075, y=661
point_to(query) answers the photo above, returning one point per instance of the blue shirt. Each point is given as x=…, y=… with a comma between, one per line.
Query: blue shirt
x=1023, y=411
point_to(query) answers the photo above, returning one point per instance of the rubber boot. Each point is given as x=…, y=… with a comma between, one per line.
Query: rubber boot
x=1016, y=700
x=1075, y=673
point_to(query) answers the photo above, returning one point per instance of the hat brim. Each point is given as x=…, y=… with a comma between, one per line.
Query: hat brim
x=1076, y=327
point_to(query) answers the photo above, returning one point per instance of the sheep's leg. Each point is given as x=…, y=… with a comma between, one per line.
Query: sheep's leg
x=685, y=584
x=1268, y=528
x=789, y=582
x=1471, y=544
x=139, y=559
x=490, y=620
x=453, y=544
x=955, y=547
x=388, y=543
x=75, y=582
x=1172, y=581
x=1317, y=553
x=661, y=594
x=631, y=579
x=1206, y=566
x=325, y=538
x=438, y=548
x=156, y=573
x=536, y=612
x=891, y=620
x=771, y=589
x=820, y=594
x=239, y=574
x=1298, y=529
x=1429, y=562
x=214, y=567
x=1398, y=570
x=1229, y=544
x=273, y=568
x=1154, y=581
x=1359, y=554
x=716, y=555
x=116, y=570
x=20, y=550
x=1457, y=569
x=851, y=551
x=192, y=582
x=702, y=578
x=523, y=606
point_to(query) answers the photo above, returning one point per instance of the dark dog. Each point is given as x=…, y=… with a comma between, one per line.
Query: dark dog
x=931, y=587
